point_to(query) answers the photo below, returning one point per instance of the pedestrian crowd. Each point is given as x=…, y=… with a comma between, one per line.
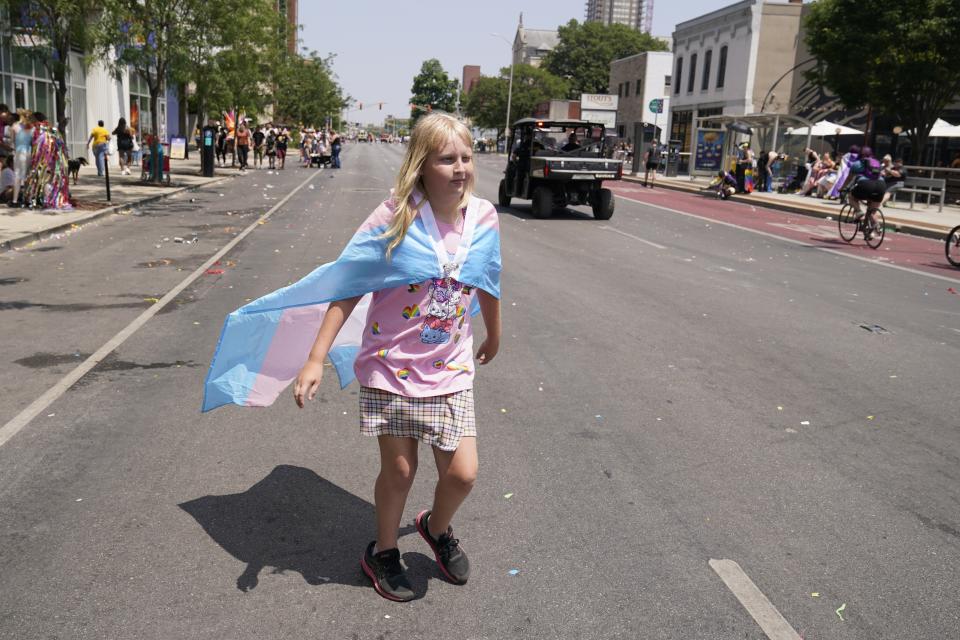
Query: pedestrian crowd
x=271, y=141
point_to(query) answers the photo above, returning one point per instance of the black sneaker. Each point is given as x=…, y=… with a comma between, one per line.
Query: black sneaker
x=446, y=549
x=387, y=574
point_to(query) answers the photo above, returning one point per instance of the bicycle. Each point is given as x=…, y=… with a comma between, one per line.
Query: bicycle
x=952, y=248
x=851, y=223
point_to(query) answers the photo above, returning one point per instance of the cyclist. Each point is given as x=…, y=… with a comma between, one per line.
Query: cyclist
x=868, y=186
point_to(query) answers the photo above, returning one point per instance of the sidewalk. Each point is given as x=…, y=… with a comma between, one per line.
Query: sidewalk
x=21, y=227
x=922, y=220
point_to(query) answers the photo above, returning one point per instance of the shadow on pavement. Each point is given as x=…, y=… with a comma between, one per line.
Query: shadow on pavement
x=292, y=520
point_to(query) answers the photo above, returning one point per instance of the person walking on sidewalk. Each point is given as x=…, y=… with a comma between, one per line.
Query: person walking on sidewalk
x=23, y=134
x=283, y=138
x=124, y=146
x=415, y=361
x=243, y=145
x=335, y=146
x=271, y=146
x=652, y=161
x=100, y=139
x=258, y=146
x=221, y=146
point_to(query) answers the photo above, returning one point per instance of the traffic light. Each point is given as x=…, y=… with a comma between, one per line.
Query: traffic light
x=381, y=106
x=361, y=106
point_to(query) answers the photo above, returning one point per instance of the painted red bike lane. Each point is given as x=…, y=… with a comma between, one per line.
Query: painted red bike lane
x=905, y=251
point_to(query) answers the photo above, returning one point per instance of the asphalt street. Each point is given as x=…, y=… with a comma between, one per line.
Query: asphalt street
x=670, y=390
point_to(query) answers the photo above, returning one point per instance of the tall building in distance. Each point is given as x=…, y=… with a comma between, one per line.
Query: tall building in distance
x=288, y=9
x=637, y=14
x=471, y=73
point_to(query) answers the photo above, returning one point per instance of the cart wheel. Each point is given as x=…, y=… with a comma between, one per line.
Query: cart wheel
x=502, y=196
x=542, y=204
x=603, y=204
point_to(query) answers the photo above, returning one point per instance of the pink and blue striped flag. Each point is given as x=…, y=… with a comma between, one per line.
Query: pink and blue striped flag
x=264, y=344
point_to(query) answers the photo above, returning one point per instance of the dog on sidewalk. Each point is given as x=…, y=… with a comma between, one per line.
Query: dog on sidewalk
x=73, y=165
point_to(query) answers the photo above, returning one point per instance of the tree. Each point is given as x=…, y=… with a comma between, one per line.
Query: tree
x=151, y=37
x=252, y=51
x=53, y=27
x=307, y=91
x=899, y=57
x=586, y=50
x=434, y=89
x=487, y=101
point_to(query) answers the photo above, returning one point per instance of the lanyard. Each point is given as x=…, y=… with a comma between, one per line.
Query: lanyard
x=450, y=269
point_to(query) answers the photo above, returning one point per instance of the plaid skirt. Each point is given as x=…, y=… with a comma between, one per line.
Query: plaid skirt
x=439, y=421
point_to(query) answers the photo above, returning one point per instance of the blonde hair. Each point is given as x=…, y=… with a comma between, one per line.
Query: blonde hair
x=430, y=134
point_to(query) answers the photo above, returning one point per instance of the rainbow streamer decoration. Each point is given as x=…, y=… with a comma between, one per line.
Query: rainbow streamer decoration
x=47, y=184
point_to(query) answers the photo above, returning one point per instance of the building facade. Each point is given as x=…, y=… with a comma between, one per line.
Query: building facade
x=638, y=80
x=531, y=45
x=93, y=94
x=471, y=73
x=637, y=14
x=288, y=9
x=732, y=62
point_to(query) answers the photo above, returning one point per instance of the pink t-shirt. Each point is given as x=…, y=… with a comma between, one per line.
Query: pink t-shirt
x=418, y=341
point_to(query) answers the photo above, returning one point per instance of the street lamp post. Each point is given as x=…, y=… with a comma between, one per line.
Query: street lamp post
x=506, y=128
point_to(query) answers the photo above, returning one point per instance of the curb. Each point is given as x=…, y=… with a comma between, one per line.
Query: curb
x=910, y=228
x=35, y=236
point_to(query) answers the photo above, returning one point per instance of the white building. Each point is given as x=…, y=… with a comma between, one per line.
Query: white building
x=726, y=61
x=638, y=80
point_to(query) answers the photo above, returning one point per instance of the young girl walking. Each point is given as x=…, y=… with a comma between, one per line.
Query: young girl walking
x=429, y=255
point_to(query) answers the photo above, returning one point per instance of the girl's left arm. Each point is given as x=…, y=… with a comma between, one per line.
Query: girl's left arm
x=490, y=309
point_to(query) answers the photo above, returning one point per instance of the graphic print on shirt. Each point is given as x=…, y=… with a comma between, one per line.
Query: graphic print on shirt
x=444, y=307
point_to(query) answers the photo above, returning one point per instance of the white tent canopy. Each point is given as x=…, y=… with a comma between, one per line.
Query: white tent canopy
x=822, y=129
x=942, y=129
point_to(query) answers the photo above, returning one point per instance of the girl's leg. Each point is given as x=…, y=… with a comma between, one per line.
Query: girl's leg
x=398, y=466
x=457, y=471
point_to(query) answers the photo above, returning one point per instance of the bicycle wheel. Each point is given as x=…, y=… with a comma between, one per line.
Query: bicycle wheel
x=848, y=223
x=879, y=230
x=952, y=248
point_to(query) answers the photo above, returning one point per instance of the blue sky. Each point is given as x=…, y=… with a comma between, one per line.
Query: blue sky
x=380, y=44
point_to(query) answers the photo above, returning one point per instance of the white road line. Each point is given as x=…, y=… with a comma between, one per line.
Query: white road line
x=24, y=417
x=757, y=605
x=630, y=235
x=800, y=243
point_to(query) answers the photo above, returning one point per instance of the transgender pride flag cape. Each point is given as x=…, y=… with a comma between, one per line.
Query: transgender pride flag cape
x=264, y=344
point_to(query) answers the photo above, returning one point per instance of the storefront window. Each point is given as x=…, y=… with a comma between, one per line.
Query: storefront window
x=681, y=129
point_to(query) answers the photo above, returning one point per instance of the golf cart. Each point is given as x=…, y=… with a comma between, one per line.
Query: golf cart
x=556, y=163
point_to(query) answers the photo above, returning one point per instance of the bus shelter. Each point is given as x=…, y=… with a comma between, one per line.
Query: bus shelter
x=717, y=139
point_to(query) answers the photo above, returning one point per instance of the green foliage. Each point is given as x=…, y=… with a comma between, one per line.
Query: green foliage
x=306, y=90
x=899, y=56
x=434, y=88
x=150, y=37
x=487, y=102
x=52, y=27
x=586, y=50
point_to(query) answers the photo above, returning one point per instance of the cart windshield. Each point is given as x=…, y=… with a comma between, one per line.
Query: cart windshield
x=575, y=141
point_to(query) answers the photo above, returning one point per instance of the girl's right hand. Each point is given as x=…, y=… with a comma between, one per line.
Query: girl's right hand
x=307, y=382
